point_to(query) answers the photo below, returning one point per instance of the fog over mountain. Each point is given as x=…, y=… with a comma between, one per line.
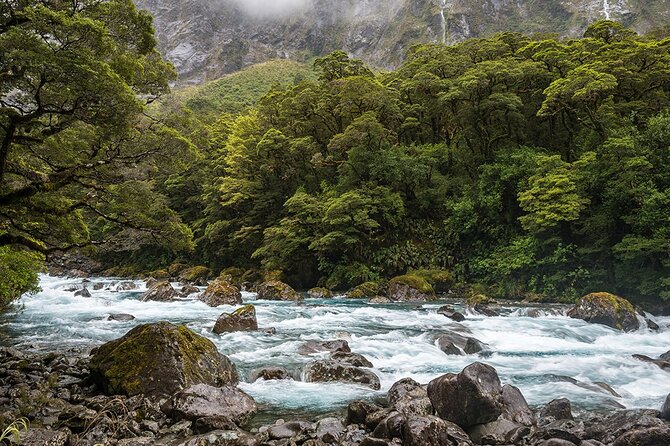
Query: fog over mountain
x=206, y=39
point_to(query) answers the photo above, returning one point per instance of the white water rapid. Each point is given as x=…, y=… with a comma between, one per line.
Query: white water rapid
x=542, y=356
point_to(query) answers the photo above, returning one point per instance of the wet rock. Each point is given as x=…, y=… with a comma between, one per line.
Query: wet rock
x=569, y=430
x=557, y=409
x=665, y=409
x=453, y=343
x=213, y=423
x=515, y=406
x=202, y=400
x=409, y=398
x=98, y=286
x=242, y=319
x=359, y=410
x=391, y=426
x=367, y=290
x=432, y=430
x=83, y=293
x=289, y=429
x=221, y=292
x=606, y=309
x=410, y=288
x=448, y=311
x=337, y=345
x=328, y=370
x=329, y=430
x=220, y=438
x=665, y=356
x=651, y=325
x=126, y=286
x=653, y=436
x=320, y=293
x=379, y=300
x=160, y=292
x=484, y=310
x=269, y=373
x=556, y=442
x=196, y=275
x=618, y=423
x=665, y=365
x=45, y=437
x=350, y=358
x=159, y=359
x=187, y=290
x=120, y=317
x=277, y=290
x=474, y=396
x=498, y=432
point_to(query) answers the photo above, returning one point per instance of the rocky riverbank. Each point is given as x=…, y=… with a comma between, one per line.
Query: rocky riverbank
x=162, y=384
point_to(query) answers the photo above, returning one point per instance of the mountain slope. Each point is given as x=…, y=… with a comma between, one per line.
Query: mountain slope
x=208, y=38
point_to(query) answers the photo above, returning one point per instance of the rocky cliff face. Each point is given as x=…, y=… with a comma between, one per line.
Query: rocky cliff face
x=208, y=38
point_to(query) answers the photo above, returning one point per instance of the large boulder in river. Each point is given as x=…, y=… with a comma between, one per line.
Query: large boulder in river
x=328, y=370
x=409, y=398
x=277, y=290
x=471, y=397
x=453, y=343
x=202, y=400
x=221, y=292
x=242, y=319
x=665, y=409
x=159, y=359
x=367, y=290
x=160, y=292
x=606, y=309
x=410, y=288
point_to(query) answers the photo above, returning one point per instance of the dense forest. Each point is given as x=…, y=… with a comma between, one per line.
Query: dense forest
x=528, y=165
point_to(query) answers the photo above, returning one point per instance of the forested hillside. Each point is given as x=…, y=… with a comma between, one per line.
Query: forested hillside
x=531, y=166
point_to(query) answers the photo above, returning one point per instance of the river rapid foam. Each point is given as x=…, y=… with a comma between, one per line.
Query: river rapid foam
x=547, y=357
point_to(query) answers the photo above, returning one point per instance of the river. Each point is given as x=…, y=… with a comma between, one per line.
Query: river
x=536, y=354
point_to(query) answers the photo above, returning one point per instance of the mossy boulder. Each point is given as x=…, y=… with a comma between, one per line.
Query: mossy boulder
x=160, y=274
x=176, y=268
x=196, y=275
x=365, y=290
x=242, y=278
x=242, y=319
x=277, y=290
x=320, y=293
x=606, y=309
x=221, y=292
x=441, y=280
x=159, y=292
x=159, y=359
x=410, y=288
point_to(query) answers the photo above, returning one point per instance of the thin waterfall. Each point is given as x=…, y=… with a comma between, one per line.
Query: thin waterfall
x=606, y=9
x=443, y=21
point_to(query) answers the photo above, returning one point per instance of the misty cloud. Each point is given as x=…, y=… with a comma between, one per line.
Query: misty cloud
x=270, y=8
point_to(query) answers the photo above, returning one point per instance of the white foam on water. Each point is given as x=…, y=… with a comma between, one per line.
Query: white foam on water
x=539, y=355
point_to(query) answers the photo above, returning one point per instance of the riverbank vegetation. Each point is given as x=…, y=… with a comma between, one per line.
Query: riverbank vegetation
x=532, y=165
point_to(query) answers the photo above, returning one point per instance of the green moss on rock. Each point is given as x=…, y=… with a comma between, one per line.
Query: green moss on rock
x=441, y=280
x=365, y=290
x=159, y=359
x=607, y=309
x=194, y=274
x=413, y=281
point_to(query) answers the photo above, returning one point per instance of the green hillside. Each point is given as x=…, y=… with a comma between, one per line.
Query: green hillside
x=240, y=91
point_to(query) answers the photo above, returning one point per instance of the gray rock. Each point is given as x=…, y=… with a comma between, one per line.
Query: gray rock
x=289, y=429
x=338, y=345
x=328, y=370
x=120, y=317
x=515, y=406
x=448, y=311
x=329, y=430
x=472, y=397
x=202, y=400
x=160, y=292
x=83, y=293
x=433, y=431
x=665, y=409
x=500, y=431
x=409, y=398
x=269, y=373
x=652, y=436
x=242, y=319
x=557, y=409
x=45, y=437
x=126, y=286
x=350, y=358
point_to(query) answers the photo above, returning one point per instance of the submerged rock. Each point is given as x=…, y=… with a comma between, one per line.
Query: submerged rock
x=159, y=359
x=453, y=343
x=606, y=309
x=83, y=293
x=202, y=400
x=327, y=370
x=410, y=288
x=277, y=290
x=471, y=397
x=665, y=365
x=448, y=311
x=269, y=373
x=221, y=292
x=120, y=317
x=336, y=345
x=159, y=292
x=242, y=319
x=320, y=293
